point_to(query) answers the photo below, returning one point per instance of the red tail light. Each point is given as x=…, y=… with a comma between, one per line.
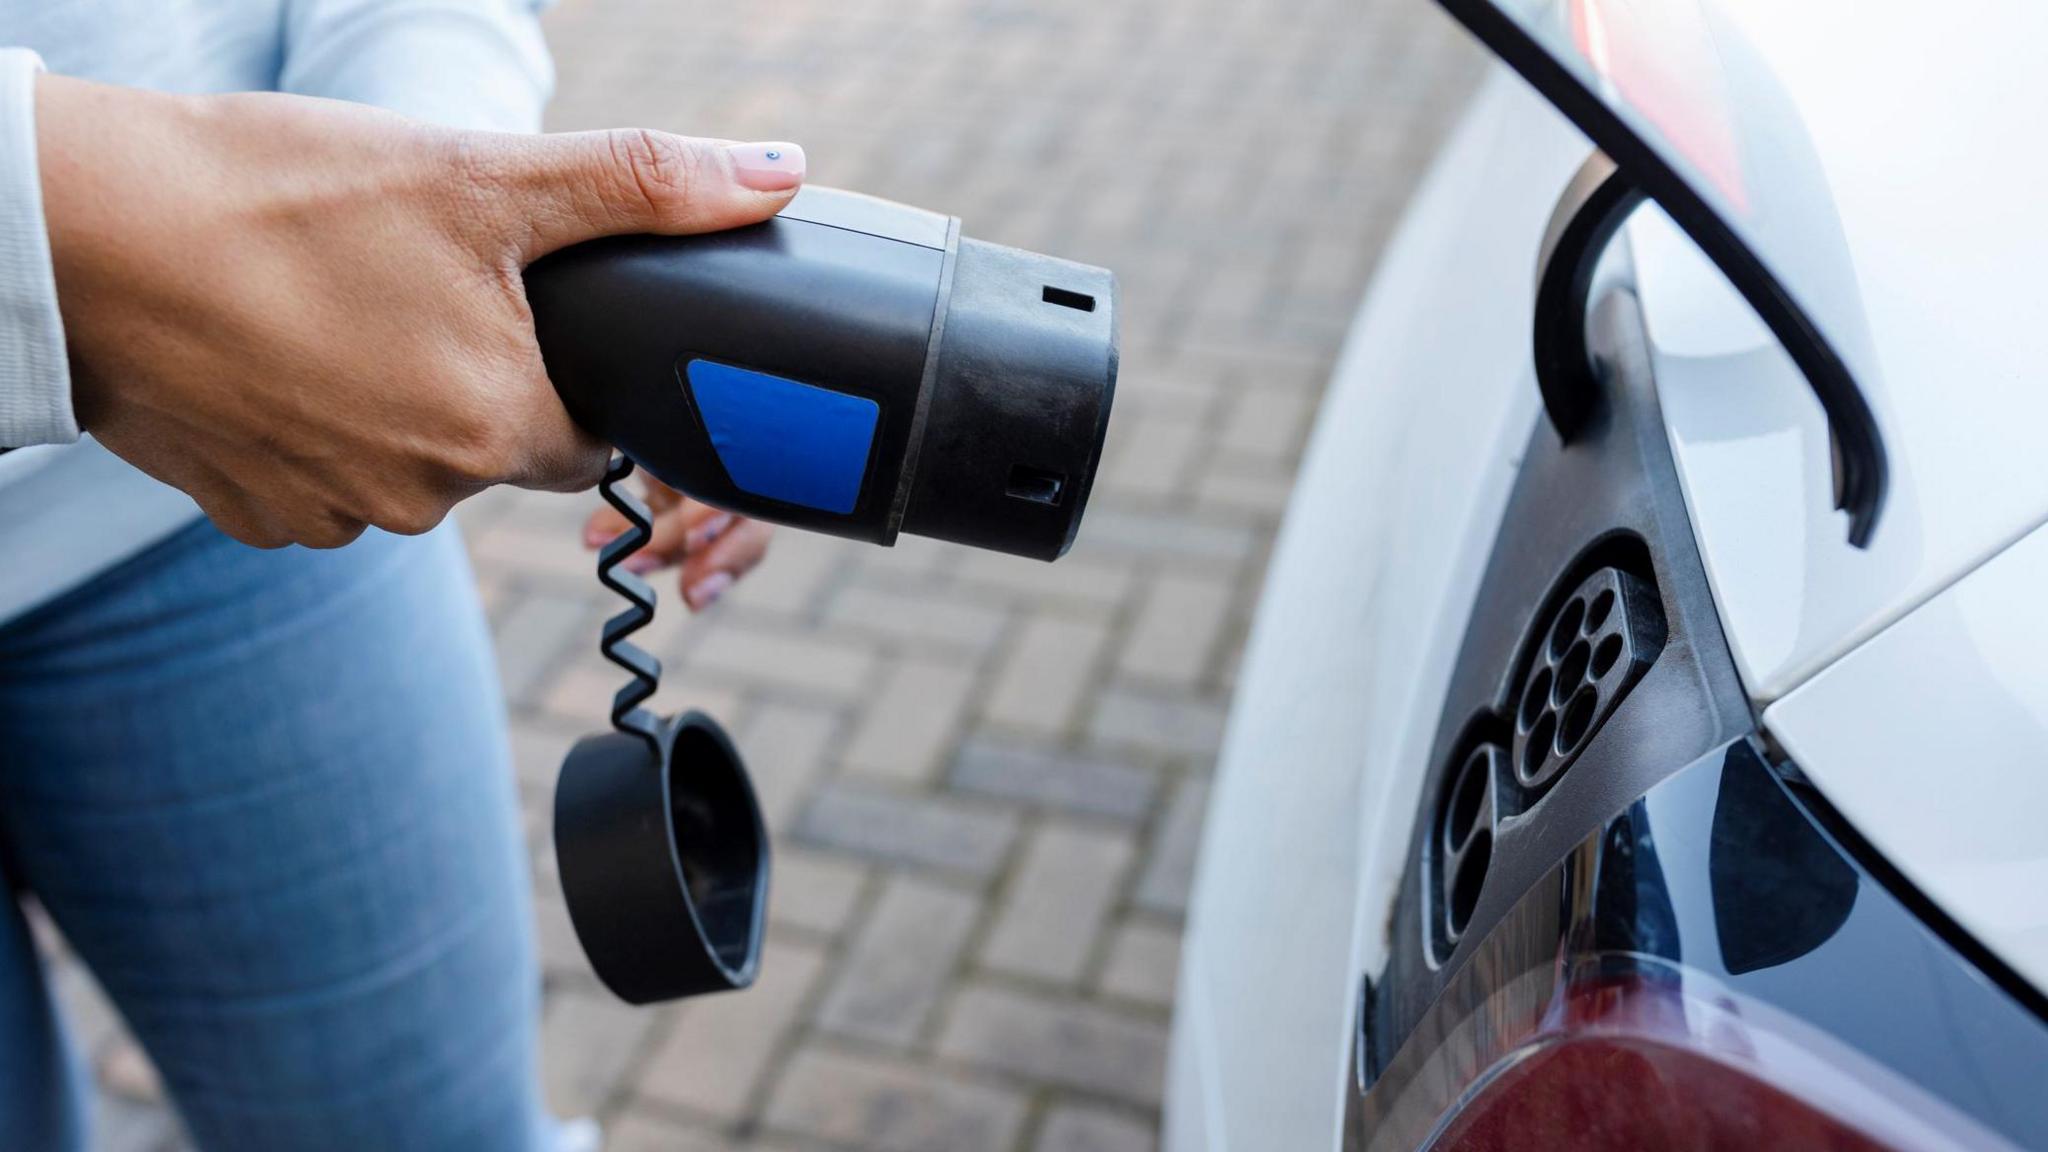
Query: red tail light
x=1627, y=1075
x=1634, y=1064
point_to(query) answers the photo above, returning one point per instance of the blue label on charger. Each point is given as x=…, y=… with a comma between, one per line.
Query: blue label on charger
x=784, y=439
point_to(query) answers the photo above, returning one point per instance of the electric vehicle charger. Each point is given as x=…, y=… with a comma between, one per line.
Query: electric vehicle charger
x=851, y=366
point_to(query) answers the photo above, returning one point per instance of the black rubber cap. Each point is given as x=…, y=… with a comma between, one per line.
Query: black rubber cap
x=664, y=861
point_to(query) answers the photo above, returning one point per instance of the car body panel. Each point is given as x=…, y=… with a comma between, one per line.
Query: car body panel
x=1395, y=509
x=1936, y=188
x=1929, y=164
x=1931, y=741
x=1395, y=513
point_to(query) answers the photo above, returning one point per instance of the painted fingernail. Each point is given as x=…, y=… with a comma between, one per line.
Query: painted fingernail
x=704, y=593
x=594, y=537
x=641, y=563
x=710, y=530
x=775, y=167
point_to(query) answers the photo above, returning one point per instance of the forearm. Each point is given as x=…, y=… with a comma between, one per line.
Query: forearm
x=35, y=379
x=459, y=63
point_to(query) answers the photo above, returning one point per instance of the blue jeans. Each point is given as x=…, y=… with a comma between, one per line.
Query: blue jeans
x=266, y=795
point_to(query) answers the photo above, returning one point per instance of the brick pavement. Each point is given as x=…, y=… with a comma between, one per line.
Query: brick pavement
x=986, y=777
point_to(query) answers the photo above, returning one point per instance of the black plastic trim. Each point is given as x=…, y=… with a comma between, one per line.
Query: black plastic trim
x=1862, y=468
x=1599, y=198
x=1608, y=500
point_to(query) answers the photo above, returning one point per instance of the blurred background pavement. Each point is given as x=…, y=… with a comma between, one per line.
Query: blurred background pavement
x=986, y=777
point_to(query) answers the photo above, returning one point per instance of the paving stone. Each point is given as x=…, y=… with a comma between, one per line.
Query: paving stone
x=589, y=1041
x=785, y=747
x=812, y=891
x=126, y=1071
x=1057, y=1041
x=88, y=1015
x=1259, y=492
x=1170, y=869
x=49, y=942
x=1143, y=964
x=718, y=1047
x=580, y=697
x=912, y=559
x=800, y=567
x=797, y=662
x=123, y=1125
x=555, y=936
x=1064, y=887
x=636, y=1131
x=932, y=832
x=1170, y=724
x=495, y=593
x=540, y=743
x=1041, y=684
x=1173, y=537
x=901, y=961
x=1177, y=629
x=906, y=731
x=1079, y=783
x=1093, y=582
x=1152, y=457
x=1267, y=423
x=1090, y=1128
x=537, y=631
x=552, y=555
x=869, y=1101
x=922, y=617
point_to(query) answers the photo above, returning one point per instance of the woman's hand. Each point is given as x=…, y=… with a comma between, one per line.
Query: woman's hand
x=309, y=315
x=713, y=546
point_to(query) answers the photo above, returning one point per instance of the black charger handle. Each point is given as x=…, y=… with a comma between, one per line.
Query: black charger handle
x=851, y=366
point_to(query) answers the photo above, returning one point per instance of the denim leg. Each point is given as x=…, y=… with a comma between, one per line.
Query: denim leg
x=267, y=797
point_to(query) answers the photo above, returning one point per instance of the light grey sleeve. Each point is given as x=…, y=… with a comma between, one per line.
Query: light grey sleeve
x=460, y=63
x=35, y=377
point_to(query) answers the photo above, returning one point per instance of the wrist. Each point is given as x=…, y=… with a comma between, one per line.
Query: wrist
x=104, y=192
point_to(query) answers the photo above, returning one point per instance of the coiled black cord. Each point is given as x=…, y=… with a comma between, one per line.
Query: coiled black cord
x=627, y=715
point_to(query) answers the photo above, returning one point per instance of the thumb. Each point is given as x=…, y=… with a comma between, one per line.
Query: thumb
x=571, y=187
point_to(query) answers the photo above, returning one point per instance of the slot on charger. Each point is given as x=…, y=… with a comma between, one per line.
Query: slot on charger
x=1078, y=301
x=1036, y=484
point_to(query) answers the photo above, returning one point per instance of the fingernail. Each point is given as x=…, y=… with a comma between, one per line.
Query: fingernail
x=775, y=167
x=710, y=530
x=594, y=537
x=704, y=593
x=641, y=563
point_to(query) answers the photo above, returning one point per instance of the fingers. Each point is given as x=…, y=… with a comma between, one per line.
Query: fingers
x=606, y=522
x=708, y=572
x=714, y=547
x=566, y=188
x=685, y=529
x=603, y=525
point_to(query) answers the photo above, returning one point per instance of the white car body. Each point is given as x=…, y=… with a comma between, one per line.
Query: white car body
x=1906, y=680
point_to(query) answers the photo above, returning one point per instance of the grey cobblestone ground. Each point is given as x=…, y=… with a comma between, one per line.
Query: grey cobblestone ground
x=986, y=777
